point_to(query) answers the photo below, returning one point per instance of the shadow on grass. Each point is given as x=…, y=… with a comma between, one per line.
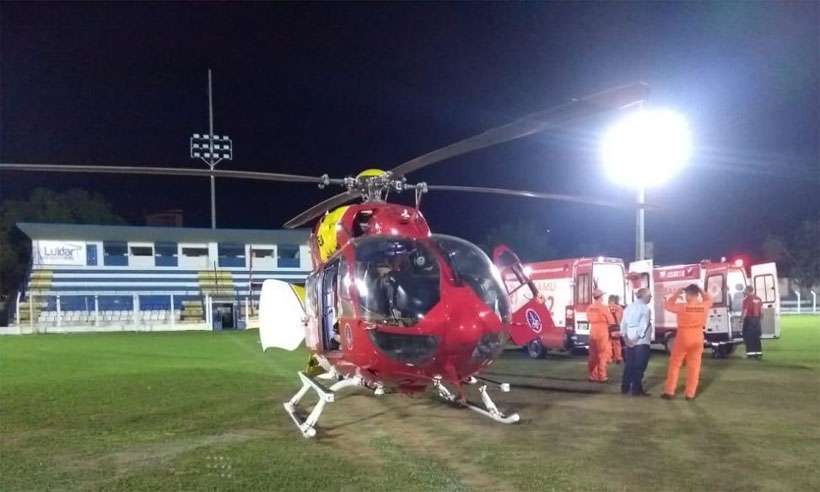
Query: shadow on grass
x=359, y=420
x=532, y=376
x=709, y=377
x=558, y=389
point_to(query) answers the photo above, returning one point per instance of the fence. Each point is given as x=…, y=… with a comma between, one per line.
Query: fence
x=68, y=312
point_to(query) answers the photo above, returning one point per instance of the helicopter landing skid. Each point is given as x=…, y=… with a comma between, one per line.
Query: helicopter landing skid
x=489, y=410
x=326, y=395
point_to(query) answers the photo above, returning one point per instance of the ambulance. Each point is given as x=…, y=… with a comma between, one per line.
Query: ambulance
x=725, y=283
x=567, y=287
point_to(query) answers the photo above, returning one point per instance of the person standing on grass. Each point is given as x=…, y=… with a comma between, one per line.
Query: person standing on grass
x=752, y=309
x=600, y=318
x=635, y=328
x=615, y=330
x=688, y=339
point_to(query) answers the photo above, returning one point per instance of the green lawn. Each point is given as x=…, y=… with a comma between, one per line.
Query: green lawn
x=192, y=411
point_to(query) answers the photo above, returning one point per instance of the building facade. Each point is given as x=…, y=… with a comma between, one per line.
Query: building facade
x=91, y=277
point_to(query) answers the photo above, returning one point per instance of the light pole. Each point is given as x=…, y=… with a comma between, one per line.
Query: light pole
x=212, y=149
x=644, y=149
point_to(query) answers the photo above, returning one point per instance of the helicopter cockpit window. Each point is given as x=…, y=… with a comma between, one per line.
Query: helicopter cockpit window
x=474, y=268
x=397, y=280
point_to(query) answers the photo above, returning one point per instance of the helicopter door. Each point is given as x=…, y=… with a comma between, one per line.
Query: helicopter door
x=531, y=319
x=281, y=316
x=330, y=315
x=764, y=281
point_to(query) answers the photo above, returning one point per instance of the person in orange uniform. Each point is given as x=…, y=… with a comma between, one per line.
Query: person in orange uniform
x=600, y=348
x=615, y=331
x=689, y=339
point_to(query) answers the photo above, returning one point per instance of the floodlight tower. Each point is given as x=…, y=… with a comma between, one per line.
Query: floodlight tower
x=644, y=149
x=212, y=149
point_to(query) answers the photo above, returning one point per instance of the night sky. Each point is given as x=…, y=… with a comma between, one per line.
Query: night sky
x=336, y=88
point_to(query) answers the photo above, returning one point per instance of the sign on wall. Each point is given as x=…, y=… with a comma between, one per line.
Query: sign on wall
x=60, y=253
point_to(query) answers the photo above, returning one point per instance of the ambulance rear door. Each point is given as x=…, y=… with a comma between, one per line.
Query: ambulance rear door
x=640, y=277
x=764, y=281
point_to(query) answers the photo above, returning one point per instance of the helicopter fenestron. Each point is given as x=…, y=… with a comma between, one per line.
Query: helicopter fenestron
x=390, y=304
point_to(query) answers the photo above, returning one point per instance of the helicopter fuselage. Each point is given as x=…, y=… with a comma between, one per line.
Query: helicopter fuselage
x=399, y=306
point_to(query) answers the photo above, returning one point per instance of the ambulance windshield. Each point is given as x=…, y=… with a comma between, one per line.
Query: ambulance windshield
x=397, y=279
x=474, y=268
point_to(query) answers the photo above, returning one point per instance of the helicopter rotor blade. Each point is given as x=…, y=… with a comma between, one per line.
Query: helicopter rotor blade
x=531, y=194
x=577, y=109
x=322, y=207
x=168, y=171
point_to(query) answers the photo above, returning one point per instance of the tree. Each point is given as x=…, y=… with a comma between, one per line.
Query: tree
x=74, y=206
x=529, y=241
x=805, y=251
x=798, y=256
x=776, y=249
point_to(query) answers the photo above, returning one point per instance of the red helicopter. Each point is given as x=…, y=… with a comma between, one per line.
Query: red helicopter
x=390, y=304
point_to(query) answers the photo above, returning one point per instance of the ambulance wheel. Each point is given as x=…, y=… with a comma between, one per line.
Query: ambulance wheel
x=722, y=351
x=535, y=350
x=669, y=343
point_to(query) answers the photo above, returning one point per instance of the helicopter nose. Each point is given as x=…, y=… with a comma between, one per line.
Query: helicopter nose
x=477, y=333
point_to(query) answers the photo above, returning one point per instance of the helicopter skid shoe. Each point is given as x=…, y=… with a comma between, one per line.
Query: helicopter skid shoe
x=490, y=410
x=326, y=395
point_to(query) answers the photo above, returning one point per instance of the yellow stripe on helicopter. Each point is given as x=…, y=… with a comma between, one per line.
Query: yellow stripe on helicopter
x=326, y=232
x=299, y=290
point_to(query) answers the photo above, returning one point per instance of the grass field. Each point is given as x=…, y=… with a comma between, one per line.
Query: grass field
x=193, y=411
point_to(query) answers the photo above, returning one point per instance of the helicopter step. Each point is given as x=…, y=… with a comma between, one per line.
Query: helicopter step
x=490, y=409
x=326, y=395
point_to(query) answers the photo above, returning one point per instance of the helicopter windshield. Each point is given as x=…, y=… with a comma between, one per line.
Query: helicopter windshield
x=397, y=279
x=474, y=268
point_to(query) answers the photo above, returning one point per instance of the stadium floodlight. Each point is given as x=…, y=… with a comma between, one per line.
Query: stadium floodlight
x=211, y=149
x=646, y=148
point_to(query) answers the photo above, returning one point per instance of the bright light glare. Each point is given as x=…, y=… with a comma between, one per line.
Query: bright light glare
x=361, y=287
x=646, y=147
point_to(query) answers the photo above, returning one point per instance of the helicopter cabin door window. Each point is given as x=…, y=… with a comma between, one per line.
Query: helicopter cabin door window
x=330, y=307
x=516, y=279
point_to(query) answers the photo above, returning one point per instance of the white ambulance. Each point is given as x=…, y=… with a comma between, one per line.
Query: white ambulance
x=725, y=283
x=567, y=287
